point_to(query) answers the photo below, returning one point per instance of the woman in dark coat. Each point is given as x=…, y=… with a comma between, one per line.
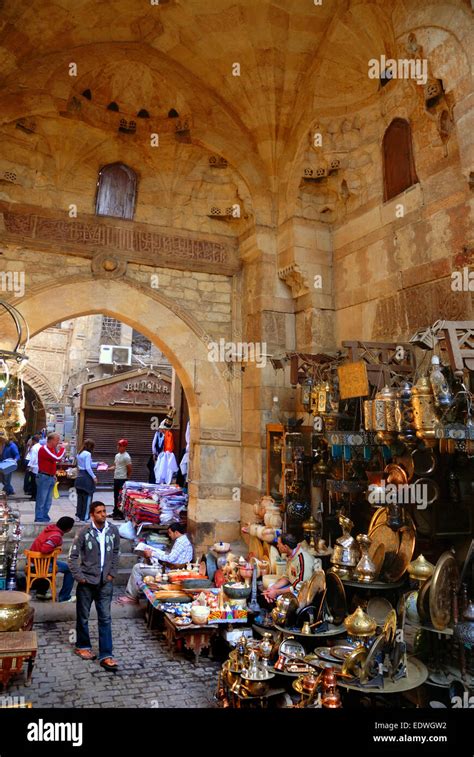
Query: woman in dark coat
x=86, y=480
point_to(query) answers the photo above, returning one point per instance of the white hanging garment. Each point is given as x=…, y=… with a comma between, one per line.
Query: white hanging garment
x=185, y=459
x=165, y=467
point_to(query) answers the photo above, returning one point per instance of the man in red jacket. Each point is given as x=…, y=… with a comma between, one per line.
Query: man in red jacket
x=48, y=457
x=46, y=542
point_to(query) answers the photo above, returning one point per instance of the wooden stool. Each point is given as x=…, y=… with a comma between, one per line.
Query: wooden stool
x=39, y=565
x=194, y=638
x=15, y=648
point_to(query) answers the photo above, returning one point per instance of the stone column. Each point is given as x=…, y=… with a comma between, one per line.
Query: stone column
x=268, y=321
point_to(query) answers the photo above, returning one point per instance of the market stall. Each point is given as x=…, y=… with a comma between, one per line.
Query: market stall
x=374, y=476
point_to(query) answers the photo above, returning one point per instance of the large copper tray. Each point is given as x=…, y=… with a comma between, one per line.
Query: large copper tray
x=422, y=602
x=399, y=545
x=445, y=578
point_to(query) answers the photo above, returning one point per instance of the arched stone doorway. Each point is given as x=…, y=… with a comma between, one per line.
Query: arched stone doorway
x=213, y=398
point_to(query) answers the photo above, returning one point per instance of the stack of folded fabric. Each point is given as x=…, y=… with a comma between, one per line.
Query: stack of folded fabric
x=157, y=504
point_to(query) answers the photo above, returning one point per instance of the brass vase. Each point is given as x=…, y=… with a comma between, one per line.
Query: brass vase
x=366, y=569
x=14, y=610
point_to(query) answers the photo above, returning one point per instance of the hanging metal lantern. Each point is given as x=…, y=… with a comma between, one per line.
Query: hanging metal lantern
x=14, y=336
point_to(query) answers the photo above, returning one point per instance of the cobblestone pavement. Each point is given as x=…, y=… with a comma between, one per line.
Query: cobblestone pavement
x=149, y=676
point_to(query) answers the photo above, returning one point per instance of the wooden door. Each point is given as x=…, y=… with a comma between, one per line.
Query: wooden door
x=116, y=191
x=398, y=162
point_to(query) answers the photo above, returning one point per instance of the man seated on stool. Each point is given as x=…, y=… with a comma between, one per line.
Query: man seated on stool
x=300, y=567
x=181, y=553
x=46, y=542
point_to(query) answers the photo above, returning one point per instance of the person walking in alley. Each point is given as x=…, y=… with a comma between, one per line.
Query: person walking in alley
x=122, y=468
x=86, y=480
x=8, y=451
x=94, y=563
x=48, y=456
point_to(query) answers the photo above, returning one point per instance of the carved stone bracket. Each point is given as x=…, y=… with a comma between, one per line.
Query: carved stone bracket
x=108, y=266
x=295, y=278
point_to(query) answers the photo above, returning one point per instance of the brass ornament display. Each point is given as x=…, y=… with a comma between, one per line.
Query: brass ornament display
x=346, y=553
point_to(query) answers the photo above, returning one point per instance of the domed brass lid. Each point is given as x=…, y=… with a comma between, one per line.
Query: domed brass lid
x=310, y=524
x=420, y=569
x=360, y=624
x=387, y=393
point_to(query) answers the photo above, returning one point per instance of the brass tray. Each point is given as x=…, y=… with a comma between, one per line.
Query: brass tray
x=353, y=664
x=302, y=594
x=390, y=540
x=399, y=545
x=324, y=653
x=381, y=512
x=316, y=584
x=341, y=651
x=390, y=626
x=336, y=598
x=374, y=650
x=445, y=576
x=396, y=474
x=379, y=608
x=407, y=535
x=378, y=558
x=422, y=602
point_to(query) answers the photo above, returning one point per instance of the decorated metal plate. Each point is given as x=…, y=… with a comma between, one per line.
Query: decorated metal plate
x=444, y=581
x=378, y=608
x=325, y=653
x=292, y=648
x=341, y=651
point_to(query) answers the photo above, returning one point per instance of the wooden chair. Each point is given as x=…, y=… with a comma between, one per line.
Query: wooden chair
x=39, y=565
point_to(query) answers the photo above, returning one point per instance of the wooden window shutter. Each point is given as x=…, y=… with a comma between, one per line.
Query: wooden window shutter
x=398, y=163
x=116, y=192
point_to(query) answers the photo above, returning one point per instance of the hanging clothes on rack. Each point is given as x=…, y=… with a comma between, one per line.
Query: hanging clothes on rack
x=158, y=442
x=166, y=465
x=185, y=459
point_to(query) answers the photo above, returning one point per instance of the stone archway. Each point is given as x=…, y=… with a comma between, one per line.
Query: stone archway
x=214, y=401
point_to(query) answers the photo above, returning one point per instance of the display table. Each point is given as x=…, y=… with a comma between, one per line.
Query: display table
x=193, y=637
x=15, y=648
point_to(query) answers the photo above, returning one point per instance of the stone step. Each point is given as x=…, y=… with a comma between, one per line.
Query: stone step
x=127, y=559
x=49, y=611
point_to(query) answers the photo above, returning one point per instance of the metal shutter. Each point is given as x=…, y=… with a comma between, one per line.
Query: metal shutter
x=107, y=427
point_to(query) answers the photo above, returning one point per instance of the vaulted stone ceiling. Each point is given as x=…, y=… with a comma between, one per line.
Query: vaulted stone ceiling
x=297, y=59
